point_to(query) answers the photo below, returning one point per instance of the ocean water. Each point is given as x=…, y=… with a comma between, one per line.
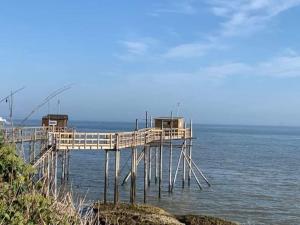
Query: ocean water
x=254, y=173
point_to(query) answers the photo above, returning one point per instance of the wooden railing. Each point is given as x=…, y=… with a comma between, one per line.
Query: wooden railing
x=22, y=134
x=82, y=140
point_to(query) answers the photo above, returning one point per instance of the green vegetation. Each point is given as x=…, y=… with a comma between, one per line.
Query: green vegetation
x=21, y=201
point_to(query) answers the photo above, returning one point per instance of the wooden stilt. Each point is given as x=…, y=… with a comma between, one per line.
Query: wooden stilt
x=145, y=173
x=183, y=161
x=133, y=175
x=156, y=165
x=190, y=166
x=139, y=159
x=68, y=167
x=190, y=152
x=62, y=166
x=55, y=175
x=160, y=164
x=177, y=168
x=171, y=156
x=150, y=165
x=117, y=171
x=48, y=173
x=106, y=175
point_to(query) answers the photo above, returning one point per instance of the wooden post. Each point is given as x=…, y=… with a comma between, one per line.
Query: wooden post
x=68, y=164
x=190, y=152
x=183, y=159
x=150, y=166
x=117, y=171
x=55, y=175
x=160, y=162
x=145, y=173
x=190, y=166
x=171, y=155
x=133, y=175
x=62, y=166
x=177, y=168
x=106, y=175
x=48, y=173
x=156, y=165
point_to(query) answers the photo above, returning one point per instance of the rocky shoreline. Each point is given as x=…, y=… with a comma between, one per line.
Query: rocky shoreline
x=126, y=214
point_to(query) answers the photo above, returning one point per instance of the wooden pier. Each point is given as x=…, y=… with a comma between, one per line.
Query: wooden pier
x=55, y=144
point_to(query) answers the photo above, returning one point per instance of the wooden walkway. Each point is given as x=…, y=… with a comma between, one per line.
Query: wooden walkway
x=61, y=142
x=110, y=141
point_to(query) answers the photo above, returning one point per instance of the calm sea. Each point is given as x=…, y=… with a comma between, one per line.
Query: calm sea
x=254, y=172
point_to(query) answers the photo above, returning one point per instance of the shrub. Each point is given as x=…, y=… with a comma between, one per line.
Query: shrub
x=21, y=201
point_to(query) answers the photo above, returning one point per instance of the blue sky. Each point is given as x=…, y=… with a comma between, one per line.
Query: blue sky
x=226, y=62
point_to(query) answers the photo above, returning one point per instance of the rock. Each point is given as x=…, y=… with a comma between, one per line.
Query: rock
x=203, y=220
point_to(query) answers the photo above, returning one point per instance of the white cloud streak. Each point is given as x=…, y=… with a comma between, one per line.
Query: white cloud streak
x=281, y=67
x=240, y=17
x=176, y=7
x=135, y=47
x=247, y=16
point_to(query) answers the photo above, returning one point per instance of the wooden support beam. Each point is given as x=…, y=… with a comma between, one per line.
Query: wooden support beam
x=55, y=175
x=190, y=161
x=139, y=159
x=171, y=155
x=133, y=176
x=160, y=164
x=150, y=166
x=106, y=175
x=117, y=172
x=190, y=166
x=156, y=165
x=176, y=171
x=190, y=152
x=145, y=173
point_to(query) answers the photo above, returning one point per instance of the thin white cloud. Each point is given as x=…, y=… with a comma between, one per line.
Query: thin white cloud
x=240, y=17
x=135, y=47
x=281, y=66
x=247, y=16
x=177, y=7
x=187, y=50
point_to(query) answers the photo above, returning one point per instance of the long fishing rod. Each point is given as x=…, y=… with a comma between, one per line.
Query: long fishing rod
x=14, y=92
x=46, y=100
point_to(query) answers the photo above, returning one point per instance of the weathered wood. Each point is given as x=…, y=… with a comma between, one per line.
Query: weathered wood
x=156, y=165
x=160, y=165
x=190, y=152
x=177, y=168
x=106, y=175
x=133, y=176
x=145, y=173
x=171, y=156
x=150, y=166
x=190, y=166
x=55, y=175
x=117, y=172
x=128, y=175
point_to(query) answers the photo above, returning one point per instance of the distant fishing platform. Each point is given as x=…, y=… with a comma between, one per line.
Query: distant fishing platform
x=49, y=145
